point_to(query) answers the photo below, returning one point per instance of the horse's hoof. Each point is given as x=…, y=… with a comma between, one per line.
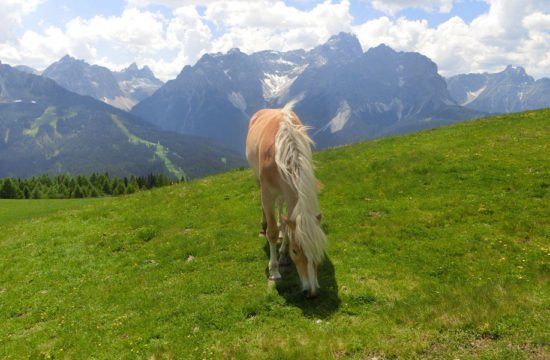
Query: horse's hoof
x=276, y=276
x=309, y=295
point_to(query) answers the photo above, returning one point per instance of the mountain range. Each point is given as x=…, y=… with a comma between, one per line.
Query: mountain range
x=510, y=90
x=45, y=128
x=346, y=94
x=121, y=89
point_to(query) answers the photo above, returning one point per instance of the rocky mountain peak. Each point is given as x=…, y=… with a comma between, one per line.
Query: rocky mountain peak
x=516, y=74
x=133, y=67
x=514, y=69
x=381, y=49
x=133, y=71
x=235, y=51
x=340, y=49
x=68, y=59
x=345, y=41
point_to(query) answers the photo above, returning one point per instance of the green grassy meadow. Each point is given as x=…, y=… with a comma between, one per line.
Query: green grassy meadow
x=439, y=249
x=16, y=210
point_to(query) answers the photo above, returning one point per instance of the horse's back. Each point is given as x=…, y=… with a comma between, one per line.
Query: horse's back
x=265, y=124
x=260, y=142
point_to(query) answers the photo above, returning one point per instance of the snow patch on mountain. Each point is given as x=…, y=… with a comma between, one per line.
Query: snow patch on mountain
x=281, y=61
x=275, y=86
x=341, y=118
x=130, y=86
x=337, y=123
x=237, y=99
x=320, y=61
x=395, y=105
x=121, y=102
x=472, y=95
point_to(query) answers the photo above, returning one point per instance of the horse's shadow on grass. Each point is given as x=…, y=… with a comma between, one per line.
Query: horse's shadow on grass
x=289, y=287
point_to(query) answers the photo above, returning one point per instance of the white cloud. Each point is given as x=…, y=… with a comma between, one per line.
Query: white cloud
x=13, y=12
x=139, y=31
x=106, y=40
x=537, y=21
x=187, y=34
x=400, y=34
x=262, y=24
x=511, y=31
x=393, y=6
x=171, y=3
x=536, y=48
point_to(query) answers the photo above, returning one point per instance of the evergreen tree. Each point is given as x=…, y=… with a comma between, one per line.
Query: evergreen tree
x=63, y=191
x=94, y=179
x=44, y=179
x=83, y=181
x=9, y=189
x=150, y=181
x=77, y=193
x=66, y=186
x=94, y=192
x=26, y=191
x=106, y=187
x=118, y=187
x=36, y=192
x=142, y=182
x=132, y=187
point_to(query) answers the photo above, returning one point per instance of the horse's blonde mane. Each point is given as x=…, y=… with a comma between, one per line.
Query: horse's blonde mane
x=295, y=163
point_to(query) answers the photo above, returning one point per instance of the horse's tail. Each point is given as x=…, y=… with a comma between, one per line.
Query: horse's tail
x=293, y=149
x=295, y=163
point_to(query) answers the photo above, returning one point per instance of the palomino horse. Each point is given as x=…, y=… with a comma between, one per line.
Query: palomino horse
x=278, y=151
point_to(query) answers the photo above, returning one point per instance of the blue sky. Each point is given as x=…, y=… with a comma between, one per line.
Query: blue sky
x=459, y=35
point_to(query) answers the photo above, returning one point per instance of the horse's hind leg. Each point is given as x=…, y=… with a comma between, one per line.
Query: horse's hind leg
x=283, y=250
x=268, y=203
x=280, y=222
x=264, y=222
x=263, y=229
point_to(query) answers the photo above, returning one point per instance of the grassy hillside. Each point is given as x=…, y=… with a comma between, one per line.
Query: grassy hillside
x=439, y=248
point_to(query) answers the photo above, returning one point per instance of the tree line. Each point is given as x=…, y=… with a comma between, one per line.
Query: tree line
x=64, y=186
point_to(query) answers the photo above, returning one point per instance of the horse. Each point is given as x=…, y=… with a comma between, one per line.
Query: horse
x=278, y=150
